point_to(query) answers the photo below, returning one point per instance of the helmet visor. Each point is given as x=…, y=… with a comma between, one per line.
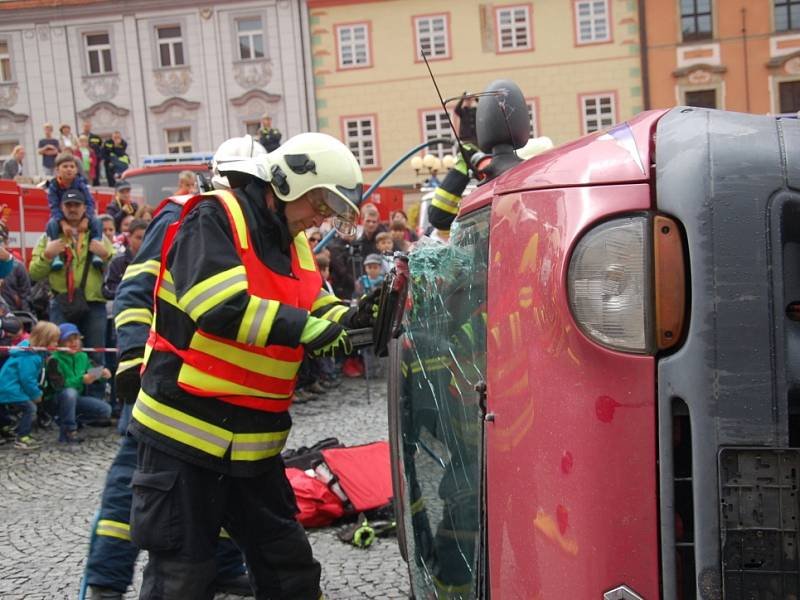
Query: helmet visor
x=328, y=203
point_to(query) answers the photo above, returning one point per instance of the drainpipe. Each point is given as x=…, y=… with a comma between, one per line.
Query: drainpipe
x=746, y=70
x=643, y=56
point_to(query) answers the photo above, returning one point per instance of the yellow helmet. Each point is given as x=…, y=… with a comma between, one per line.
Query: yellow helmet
x=321, y=163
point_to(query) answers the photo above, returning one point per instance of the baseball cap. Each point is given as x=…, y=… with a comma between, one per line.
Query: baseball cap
x=123, y=185
x=73, y=196
x=67, y=330
x=373, y=259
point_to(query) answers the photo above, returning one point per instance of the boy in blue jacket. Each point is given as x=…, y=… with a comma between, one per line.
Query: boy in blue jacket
x=20, y=377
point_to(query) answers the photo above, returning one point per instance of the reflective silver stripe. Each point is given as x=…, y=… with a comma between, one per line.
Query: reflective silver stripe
x=239, y=446
x=213, y=291
x=167, y=285
x=190, y=430
x=258, y=320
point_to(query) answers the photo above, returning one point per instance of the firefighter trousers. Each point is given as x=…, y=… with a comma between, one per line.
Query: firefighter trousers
x=178, y=509
x=112, y=556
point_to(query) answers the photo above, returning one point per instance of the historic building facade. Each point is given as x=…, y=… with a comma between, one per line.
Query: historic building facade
x=740, y=55
x=172, y=77
x=576, y=61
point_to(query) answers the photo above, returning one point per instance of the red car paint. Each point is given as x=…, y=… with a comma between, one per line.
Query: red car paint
x=564, y=521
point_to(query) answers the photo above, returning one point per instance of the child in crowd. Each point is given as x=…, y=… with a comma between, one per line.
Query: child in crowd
x=109, y=228
x=373, y=274
x=68, y=373
x=325, y=366
x=68, y=178
x=187, y=183
x=20, y=377
x=398, y=232
x=384, y=243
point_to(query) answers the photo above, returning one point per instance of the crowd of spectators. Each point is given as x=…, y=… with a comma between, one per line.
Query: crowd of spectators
x=85, y=254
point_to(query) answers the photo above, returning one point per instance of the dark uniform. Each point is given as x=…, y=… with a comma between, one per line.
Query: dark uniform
x=96, y=144
x=116, y=159
x=270, y=138
x=212, y=416
x=113, y=556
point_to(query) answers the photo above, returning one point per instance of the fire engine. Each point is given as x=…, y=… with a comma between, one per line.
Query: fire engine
x=597, y=390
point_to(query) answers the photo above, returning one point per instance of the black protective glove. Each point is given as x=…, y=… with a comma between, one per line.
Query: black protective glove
x=128, y=379
x=366, y=312
x=324, y=338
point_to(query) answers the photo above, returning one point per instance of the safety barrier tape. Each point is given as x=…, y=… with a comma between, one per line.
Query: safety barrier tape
x=54, y=349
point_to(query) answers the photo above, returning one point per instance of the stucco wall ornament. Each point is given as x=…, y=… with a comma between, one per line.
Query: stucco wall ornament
x=8, y=95
x=253, y=73
x=100, y=88
x=173, y=82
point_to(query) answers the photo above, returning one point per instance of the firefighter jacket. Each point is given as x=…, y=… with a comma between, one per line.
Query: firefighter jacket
x=233, y=296
x=446, y=199
x=133, y=304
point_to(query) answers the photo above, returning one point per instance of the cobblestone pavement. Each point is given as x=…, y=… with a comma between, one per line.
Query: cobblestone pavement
x=48, y=498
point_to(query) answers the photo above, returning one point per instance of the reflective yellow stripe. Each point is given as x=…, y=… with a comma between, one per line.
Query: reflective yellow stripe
x=133, y=315
x=256, y=446
x=324, y=299
x=224, y=534
x=304, y=255
x=213, y=291
x=116, y=529
x=444, y=200
x=257, y=321
x=166, y=290
x=417, y=506
x=236, y=212
x=251, y=361
x=177, y=425
x=335, y=313
x=216, y=385
x=150, y=267
x=430, y=364
x=124, y=365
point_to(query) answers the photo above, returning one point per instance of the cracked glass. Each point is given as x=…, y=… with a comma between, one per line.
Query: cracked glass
x=443, y=364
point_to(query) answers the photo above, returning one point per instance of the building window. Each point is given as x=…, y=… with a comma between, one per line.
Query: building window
x=5, y=62
x=170, y=46
x=696, y=19
x=98, y=53
x=251, y=38
x=179, y=140
x=432, y=36
x=591, y=21
x=513, y=28
x=787, y=15
x=701, y=98
x=353, y=42
x=532, y=118
x=359, y=136
x=598, y=112
x=436, y=125
x=253, y=128
x=789, y=94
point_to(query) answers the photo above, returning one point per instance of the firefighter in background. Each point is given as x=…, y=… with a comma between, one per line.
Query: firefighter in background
x=112, y=556
x=269, y=137
x=239, y=301
x=502, y=127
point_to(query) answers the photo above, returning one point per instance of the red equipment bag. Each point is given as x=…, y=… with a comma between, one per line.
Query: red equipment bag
x=318, y=505
x=364, y=473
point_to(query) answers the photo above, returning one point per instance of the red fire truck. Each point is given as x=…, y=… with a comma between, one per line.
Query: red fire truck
x=597, y=394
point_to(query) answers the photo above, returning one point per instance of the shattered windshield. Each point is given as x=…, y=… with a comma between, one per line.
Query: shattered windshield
x=441, y=433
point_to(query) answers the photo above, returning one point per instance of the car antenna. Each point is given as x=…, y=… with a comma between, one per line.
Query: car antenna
x=444, y=106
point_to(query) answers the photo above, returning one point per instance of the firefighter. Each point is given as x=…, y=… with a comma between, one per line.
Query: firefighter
x=502, y=127
x=239, y=300
x=112, y=555
x=269, y=136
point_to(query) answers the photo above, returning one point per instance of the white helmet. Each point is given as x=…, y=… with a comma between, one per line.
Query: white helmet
x=237, y=154
x=319, y=163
